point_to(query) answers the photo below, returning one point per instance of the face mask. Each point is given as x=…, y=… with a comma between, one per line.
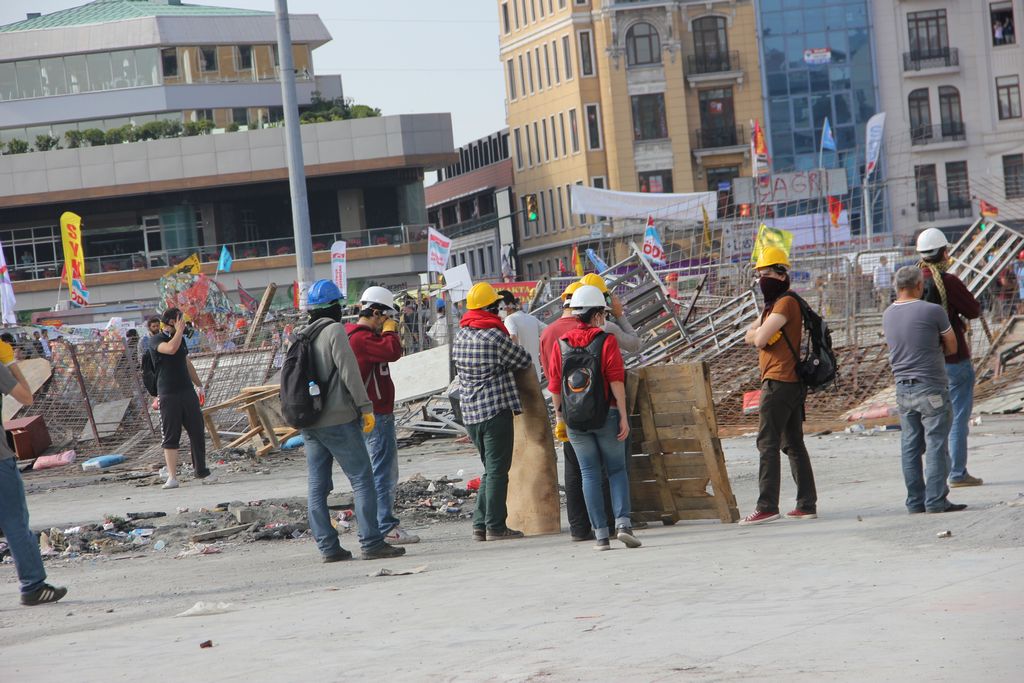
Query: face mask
x=772, y=288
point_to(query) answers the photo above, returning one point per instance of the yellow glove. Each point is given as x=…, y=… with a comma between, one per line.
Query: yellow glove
x=775, y=337
x=561, y=431
x=369, y=421
x=6, y=353
x=390, y=326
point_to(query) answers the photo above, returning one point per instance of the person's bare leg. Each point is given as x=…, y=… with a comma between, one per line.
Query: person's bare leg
x=171, y=459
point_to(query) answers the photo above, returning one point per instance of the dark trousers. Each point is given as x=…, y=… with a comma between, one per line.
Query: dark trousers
x=493, y=439
x=575, y=505
x=182, y=410
x=782, y=411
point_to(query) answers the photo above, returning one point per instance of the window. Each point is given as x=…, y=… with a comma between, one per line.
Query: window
x=1013, y=176
x=720, y=181
x=927, y=189
x=547, y=148
x=208, y=58
x=582, y=216
x=717, y=118
x=98, y=64
x=554, y=54
x=519, y=148
x=1001, y=19
x=920, y=115
x=169, y=61
x=586, y=54
x=536, y=140
x=526, y=223
x=540, y=74
x=643, y=46
x=505, y=26
x=567, y=57
x=574, y=134
x=928, y=35
x=243, y=57
x=554, y=139
x=541, y=9
x=710, y=45
x=529, y=271
x=1008, y=96
x=511, y=79
x=957, y=186
x=547, y=63
x=522, y=76
x=277, y=57
x=561, y=4
x=240, y=115
x=656, y=181
x=949, y=113
x=529, y=69
x=561, y=208
x=593, y=126
x=568, y=199
x=529, y=146
x=515, y=11
x=561, y=125
x=649, y=117
x=543, y=208
x=533, y=10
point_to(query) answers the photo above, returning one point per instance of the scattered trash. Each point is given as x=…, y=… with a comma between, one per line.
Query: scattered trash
x=144, y=515
x=976, y=421
x=203, y=609
x=198, y=549
x=473, y=484
x=859, y=518
x=102, y=461
x=160, y=545
x=205, y=643
x=182, y=510
x=397, y=572
x=944, y=534
x=293, y=442
x=46, y=462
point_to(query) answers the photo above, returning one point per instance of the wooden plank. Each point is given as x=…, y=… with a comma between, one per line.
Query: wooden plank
x=684, y=515
x=715, y=462
x=218, y=533
x=261, y=314
x=656, y=459
x=245, y=437
x=671, y=446
x=673, y=419
x=644, y=471
x=683, y=489
x=268, y=427
x=695, y=503
x=107, y=417
x=36, y=372
x=211, y=429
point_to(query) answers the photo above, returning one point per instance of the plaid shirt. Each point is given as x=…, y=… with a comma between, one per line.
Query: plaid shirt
x=485, y=360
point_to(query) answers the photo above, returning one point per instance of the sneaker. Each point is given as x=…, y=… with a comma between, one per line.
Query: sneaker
x=43, y=594
x=399, y=536
x=603, y=544
x=503, y=534
x=639, y=524
x=915, y=511
x=952, y=507
x=968, y=480
x=339, y=556
x=208, y=478
x=625, y=534
x=479, y=534
x=170, y=484
x=759, y=517
x=800, y=514
x=589, y=536
x=382, y=552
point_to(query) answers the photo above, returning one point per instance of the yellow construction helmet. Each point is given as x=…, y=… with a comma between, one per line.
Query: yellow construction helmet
x=481, y=295
x=570, y=289
x=772, y=256
x=595, y=280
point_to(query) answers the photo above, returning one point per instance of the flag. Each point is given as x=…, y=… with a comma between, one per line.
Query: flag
x=599, y=265
x=439, y=248
x=828, y=141
x=771, y=237
x=74, y=258
x=835, y=208
x=987, y=210
x=577, y=264
x=295, y=294
x=707, y=227
x=562, y=270
x=224, y=264
x=652, y=244
x=245, y=298
x=190, y=265
x=875, y=128
x=9, y=304
x=758, y=148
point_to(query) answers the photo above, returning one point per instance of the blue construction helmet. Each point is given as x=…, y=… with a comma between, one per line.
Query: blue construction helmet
x=440, y=304
x=323, y=293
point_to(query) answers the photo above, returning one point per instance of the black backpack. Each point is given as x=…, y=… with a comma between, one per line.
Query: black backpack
x=584, y=401
x=298, y=406
x=150, y=371
x=818, y=368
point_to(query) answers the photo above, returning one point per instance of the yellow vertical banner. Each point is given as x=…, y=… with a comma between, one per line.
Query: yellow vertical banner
x=771, y=237
x=74, y=258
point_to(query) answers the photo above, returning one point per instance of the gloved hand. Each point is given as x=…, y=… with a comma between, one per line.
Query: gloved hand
x=390, y=326
x=202, y=396
x=775, y=337
x=561, y=431
x=369, y=421
x=6, y=353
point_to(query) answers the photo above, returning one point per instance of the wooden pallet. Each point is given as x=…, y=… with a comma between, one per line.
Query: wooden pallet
x=676, y=452
x=255, y=402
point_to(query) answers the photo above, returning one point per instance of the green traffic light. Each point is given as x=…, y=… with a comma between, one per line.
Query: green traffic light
x=532, y=216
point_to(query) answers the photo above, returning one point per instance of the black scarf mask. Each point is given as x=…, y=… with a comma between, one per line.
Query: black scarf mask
x=772, y=289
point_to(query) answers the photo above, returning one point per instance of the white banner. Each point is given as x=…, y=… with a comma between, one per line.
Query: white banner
x=10, y=316
x=809, y=234
x=675, y=207
x=875, y=128
x=339, y=266
x=438, y=249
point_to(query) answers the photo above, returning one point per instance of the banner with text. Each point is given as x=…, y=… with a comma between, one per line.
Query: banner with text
x=438, y=249
x=339, y=266
x=7, y=300
x=778, y=188
x=74, y=258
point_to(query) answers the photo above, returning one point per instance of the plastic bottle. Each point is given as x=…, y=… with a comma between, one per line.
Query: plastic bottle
x=314, y=391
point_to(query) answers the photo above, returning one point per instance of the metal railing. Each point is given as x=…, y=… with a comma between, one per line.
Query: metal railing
x=916, y=60
x=941, y=211
x=712, y=62
x=949, y=131
x=712, y=138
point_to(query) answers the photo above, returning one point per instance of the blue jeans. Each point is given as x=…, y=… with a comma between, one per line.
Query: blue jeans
x=383, y=447
x=14, y=521
x=342, y=443
x=925, y=416
x=961, y=394
x=596, y=448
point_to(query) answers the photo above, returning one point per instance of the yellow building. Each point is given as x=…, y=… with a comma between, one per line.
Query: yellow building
x=632, y=95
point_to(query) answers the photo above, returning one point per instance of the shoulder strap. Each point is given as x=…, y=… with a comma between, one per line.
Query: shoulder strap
x=785, y=337
x=597, y=343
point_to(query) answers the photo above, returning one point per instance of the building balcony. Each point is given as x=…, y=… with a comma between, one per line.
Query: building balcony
x=946, y=59
x=725, y=140
x=713, y=67
x=945, y=211
x=942, y=136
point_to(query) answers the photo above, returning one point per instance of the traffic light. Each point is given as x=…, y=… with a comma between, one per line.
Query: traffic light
x=531, y=207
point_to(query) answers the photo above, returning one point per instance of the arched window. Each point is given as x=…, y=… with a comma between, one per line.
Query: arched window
x=642, y=45
x=920, y=116
x=710, y=45
x=949, y=113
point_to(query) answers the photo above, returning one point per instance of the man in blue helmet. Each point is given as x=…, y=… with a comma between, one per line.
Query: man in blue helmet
x=337, y=435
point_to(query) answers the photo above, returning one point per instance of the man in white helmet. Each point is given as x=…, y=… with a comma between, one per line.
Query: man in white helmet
x=950, y=292
x=375, y=342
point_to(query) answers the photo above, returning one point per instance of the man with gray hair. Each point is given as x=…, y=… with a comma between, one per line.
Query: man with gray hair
x=919, y=335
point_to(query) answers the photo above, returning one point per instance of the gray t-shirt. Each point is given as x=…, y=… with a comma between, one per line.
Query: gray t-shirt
x=7, y=383
x=912, y=330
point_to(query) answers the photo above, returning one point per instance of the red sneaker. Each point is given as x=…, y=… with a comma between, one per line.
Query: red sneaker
x=759, y=517
x=801, y=514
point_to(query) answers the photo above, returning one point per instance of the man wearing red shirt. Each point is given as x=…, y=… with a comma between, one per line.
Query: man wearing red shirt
x=375, y=342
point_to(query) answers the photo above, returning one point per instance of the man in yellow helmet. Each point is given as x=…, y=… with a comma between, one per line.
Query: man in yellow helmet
x=485, y=359
x=777, y=336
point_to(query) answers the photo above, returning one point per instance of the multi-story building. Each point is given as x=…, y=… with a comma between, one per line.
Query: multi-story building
x=176, y=147
x=649, y=96
x=472, y=202
x=950, y=79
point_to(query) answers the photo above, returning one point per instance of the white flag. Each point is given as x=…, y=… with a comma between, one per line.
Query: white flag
x=7, y=300
x=875, y=128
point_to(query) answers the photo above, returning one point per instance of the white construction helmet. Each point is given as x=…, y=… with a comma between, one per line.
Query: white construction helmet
x=931, y=240
x=377, y=295
x=585, y=298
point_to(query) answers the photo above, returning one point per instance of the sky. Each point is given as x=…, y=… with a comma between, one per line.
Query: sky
x=403, y=56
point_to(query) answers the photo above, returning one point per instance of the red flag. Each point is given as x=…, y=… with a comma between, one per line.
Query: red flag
x=295, y=294
x=246, y=299
x=835, y=208
x=577, y=265
x=988, y=209
x=760, y=146
x=561, y=267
